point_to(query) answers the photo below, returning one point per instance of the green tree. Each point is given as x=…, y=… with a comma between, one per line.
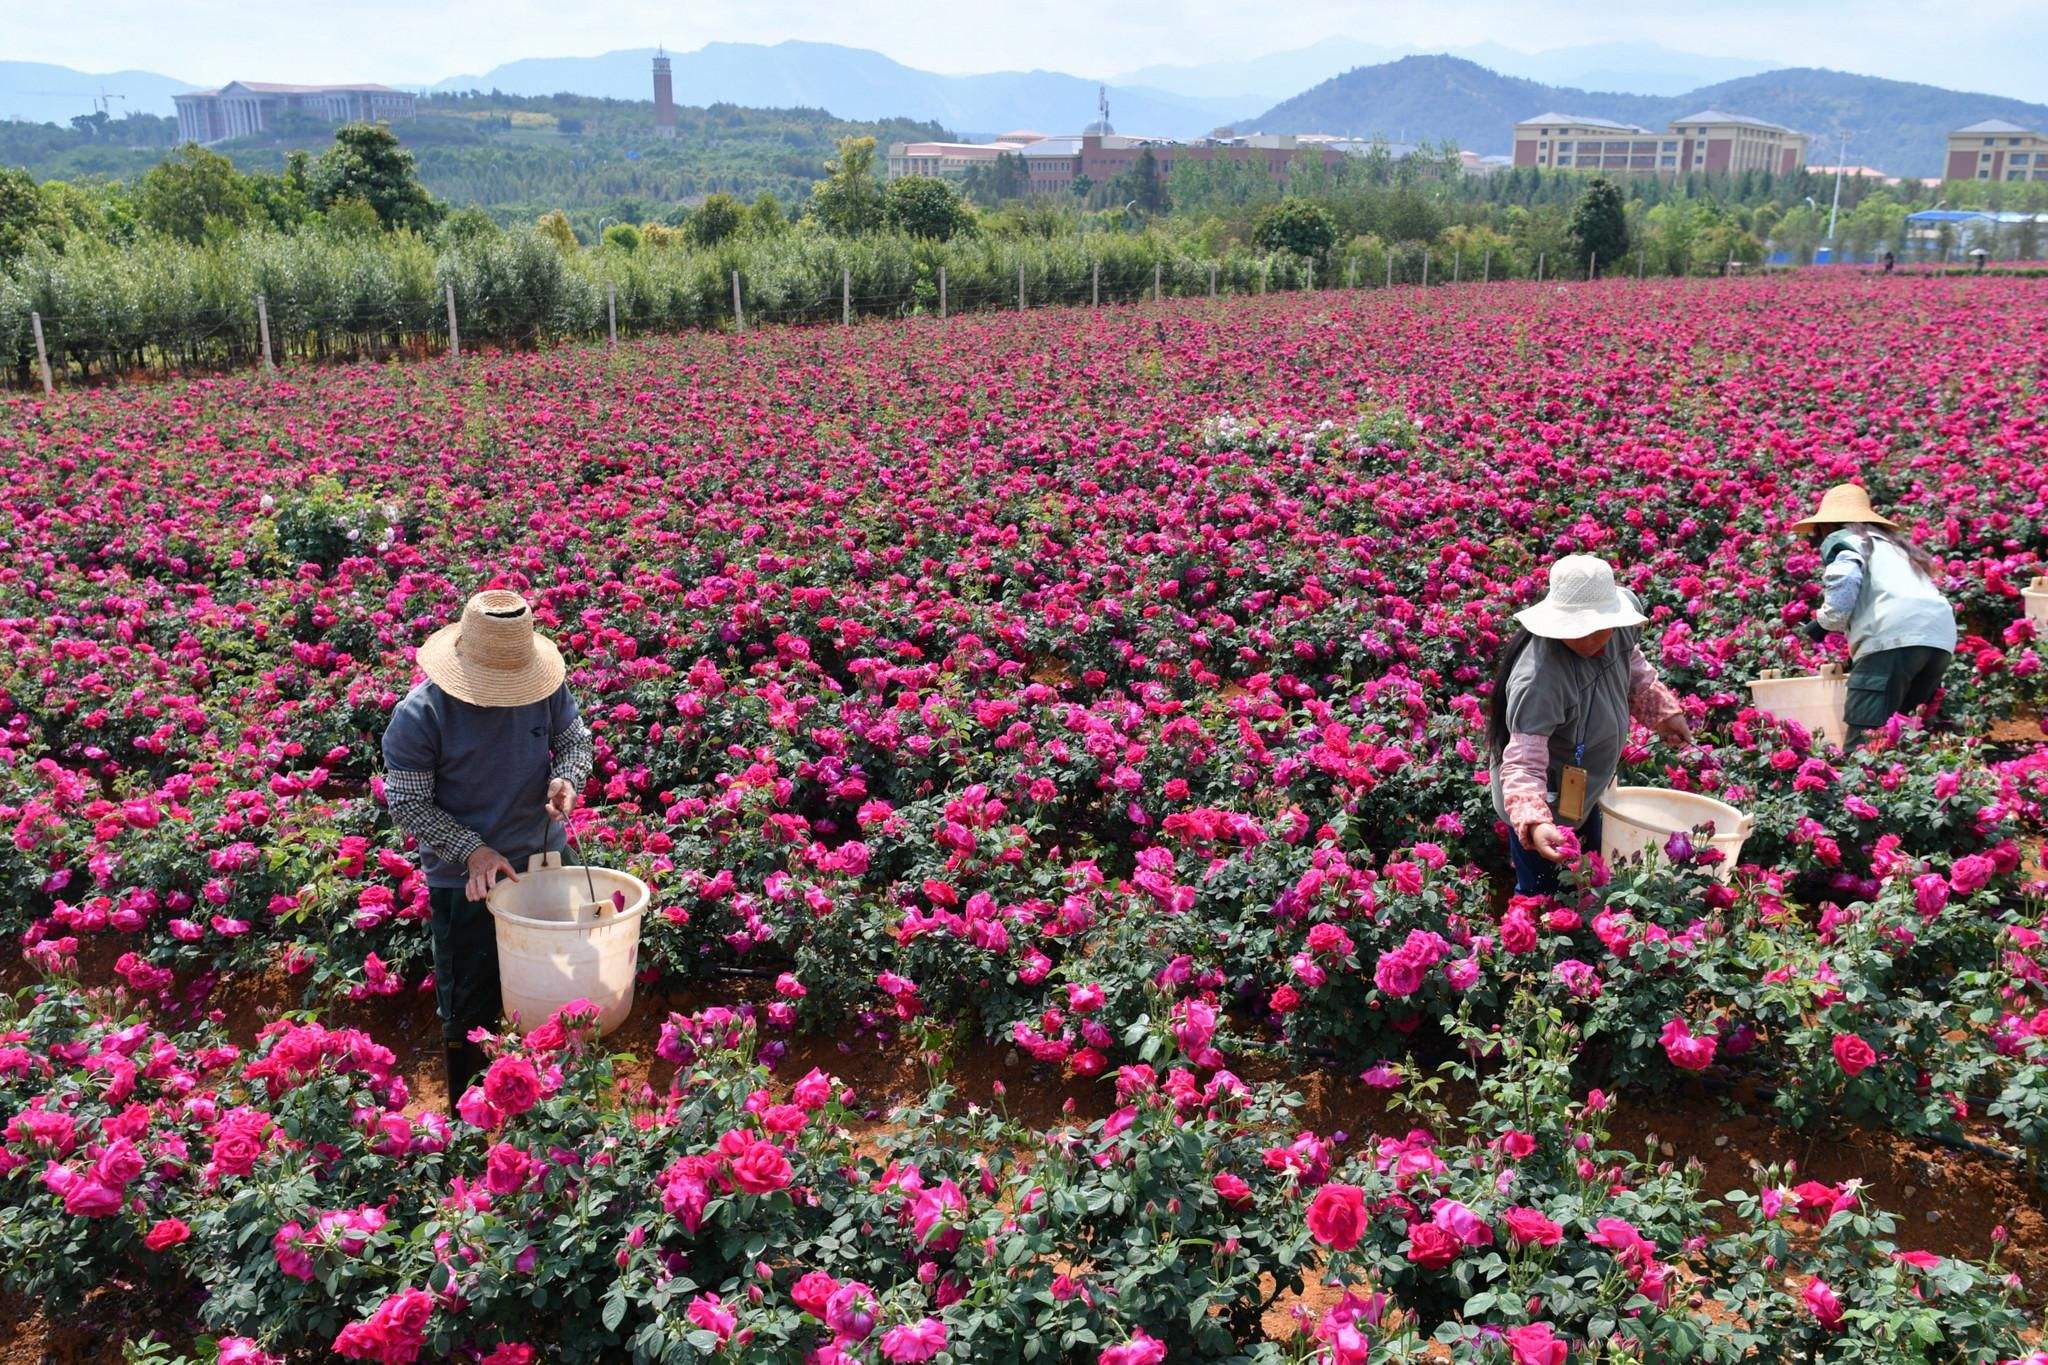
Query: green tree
x=1143, y=184
x=466, y=225
x=366, y=162
x=716, y=219
x=622, y=237
x=193, y=191
x=1299, y=226
x=766, y=218
x=22, y=221
x=848, y=201
x=346, y=218
x=1012, y=177
x=1599, y=230
x=924, y=206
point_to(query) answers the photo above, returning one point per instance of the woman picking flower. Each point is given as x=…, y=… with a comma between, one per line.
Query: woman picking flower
x=1878, y=587
x=1566, y=688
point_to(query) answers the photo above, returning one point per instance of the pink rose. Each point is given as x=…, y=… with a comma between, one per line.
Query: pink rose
x=1528, y=1227
x=761, y=1169
x=1139, y=1350
x=512, y=1086
x=1853, y=1054
x=166, y=1232
x=1536, y=1344
x=1336, y=1216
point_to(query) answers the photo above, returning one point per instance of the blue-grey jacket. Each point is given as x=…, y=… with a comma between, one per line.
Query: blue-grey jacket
x=1875, y=594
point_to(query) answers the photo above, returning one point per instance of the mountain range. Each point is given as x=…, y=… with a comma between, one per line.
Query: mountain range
x=1472, y=99
x=1897, y=126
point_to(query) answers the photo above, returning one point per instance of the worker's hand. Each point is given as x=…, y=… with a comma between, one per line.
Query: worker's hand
x=1545, y=840
x=486, y=865
x=561, y=798
x=1675, y=731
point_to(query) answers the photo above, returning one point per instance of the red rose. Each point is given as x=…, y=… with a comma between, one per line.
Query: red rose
x=1854, y=1055
x=1537, y=1344
x=1527, y=1227
x=512, y=1085
x=1232, y=1189
x=167, y=1232
x=1336, y=1216
x=1432, y=1247
x=761, y=1169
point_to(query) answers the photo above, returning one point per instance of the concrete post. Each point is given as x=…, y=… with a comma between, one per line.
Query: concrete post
x=611, y=312
x=1095, y=286
x=454, y=333
x=35, y=322
x=1486, y=267
x=263, y=332
x=942, y=293
x=846, y=296
x=739, y=314
x=1155, y=281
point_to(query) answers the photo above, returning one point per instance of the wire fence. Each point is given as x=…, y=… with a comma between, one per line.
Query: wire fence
x=98, y=346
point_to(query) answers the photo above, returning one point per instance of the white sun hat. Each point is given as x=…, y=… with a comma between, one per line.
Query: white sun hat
x=1583, y=599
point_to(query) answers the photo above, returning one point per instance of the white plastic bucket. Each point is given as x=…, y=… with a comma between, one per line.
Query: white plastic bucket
x=2036, y=598
x=558, y=942
x=1817, y=701
x=1636, y=821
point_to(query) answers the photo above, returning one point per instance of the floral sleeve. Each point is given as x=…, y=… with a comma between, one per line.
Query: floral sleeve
x=1525, y=782
x=1649, y=700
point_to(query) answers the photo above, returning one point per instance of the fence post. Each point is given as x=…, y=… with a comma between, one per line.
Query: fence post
x=263, y=332
x=1592, y=264
x=1641, y=257
x=1539, y=267
x=1457, y=264
x=1351, y=273
x=1311, y=275
x=1095, y=286
x=942, y=293
x=1155, y=281
x=1425, y=267
x=1390, y=268
x=1020, y=285
x=35, y=321
x=846, y=296
x=1212, y=279
x=611, y=311
x=454, y=335
x=1486, y=267
x=739, y=314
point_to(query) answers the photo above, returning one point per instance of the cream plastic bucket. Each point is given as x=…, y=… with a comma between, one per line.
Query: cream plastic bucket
x=1636, y=821
x=2036, y=598
x=557, y=942
x=1817, y=701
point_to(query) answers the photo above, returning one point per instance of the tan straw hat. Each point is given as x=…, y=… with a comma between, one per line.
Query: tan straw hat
x=492, y=657
x=1584, y=599
x=1841, y=505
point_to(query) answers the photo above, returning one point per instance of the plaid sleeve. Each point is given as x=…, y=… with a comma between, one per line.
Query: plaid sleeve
x=572, y=751
x=411, y=798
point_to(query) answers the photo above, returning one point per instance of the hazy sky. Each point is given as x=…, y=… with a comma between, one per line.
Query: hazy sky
x=1989, y=45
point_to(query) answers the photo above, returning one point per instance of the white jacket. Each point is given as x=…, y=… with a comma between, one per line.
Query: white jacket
x=1879, y=598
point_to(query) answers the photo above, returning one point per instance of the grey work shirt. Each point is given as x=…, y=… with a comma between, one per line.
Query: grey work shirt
x=490, y=767
x=1553, y=691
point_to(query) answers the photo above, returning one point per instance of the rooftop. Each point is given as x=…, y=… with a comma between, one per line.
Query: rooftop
x=1994, y=125
x=1585, y=121
x=1717, y=116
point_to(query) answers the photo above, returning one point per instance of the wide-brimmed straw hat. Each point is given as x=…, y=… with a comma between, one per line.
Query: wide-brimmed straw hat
x=492, y=656
x=1583, y=599
x=1841, y=505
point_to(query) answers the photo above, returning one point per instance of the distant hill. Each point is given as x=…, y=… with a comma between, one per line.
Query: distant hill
x=858, y=84
x=1897, y=126
x=42, y=93
x=1638, y=68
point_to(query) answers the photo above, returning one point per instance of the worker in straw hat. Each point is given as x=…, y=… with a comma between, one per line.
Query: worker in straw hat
x=1878, y=587
x=482, y=763
x=1568, y=685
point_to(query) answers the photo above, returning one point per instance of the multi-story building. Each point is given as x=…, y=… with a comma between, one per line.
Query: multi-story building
x=1709, y=141
x=245, y=108
x=1996, y=150
x=1053, y=163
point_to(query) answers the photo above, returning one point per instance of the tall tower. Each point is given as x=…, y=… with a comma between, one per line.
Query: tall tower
x=664, y=96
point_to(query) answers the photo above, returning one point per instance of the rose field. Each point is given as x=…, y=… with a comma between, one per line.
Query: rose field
x=1081, y=932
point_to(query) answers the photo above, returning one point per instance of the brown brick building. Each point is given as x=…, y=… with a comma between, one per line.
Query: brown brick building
x=1709, y=141
x=1996, y=150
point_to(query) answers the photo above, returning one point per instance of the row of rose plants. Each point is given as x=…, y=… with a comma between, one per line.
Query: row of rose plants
x=285, y=1199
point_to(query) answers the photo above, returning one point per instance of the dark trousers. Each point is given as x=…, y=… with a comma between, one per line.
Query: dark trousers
x=1536, y=875
x=465, y=963
x=1888, y=682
